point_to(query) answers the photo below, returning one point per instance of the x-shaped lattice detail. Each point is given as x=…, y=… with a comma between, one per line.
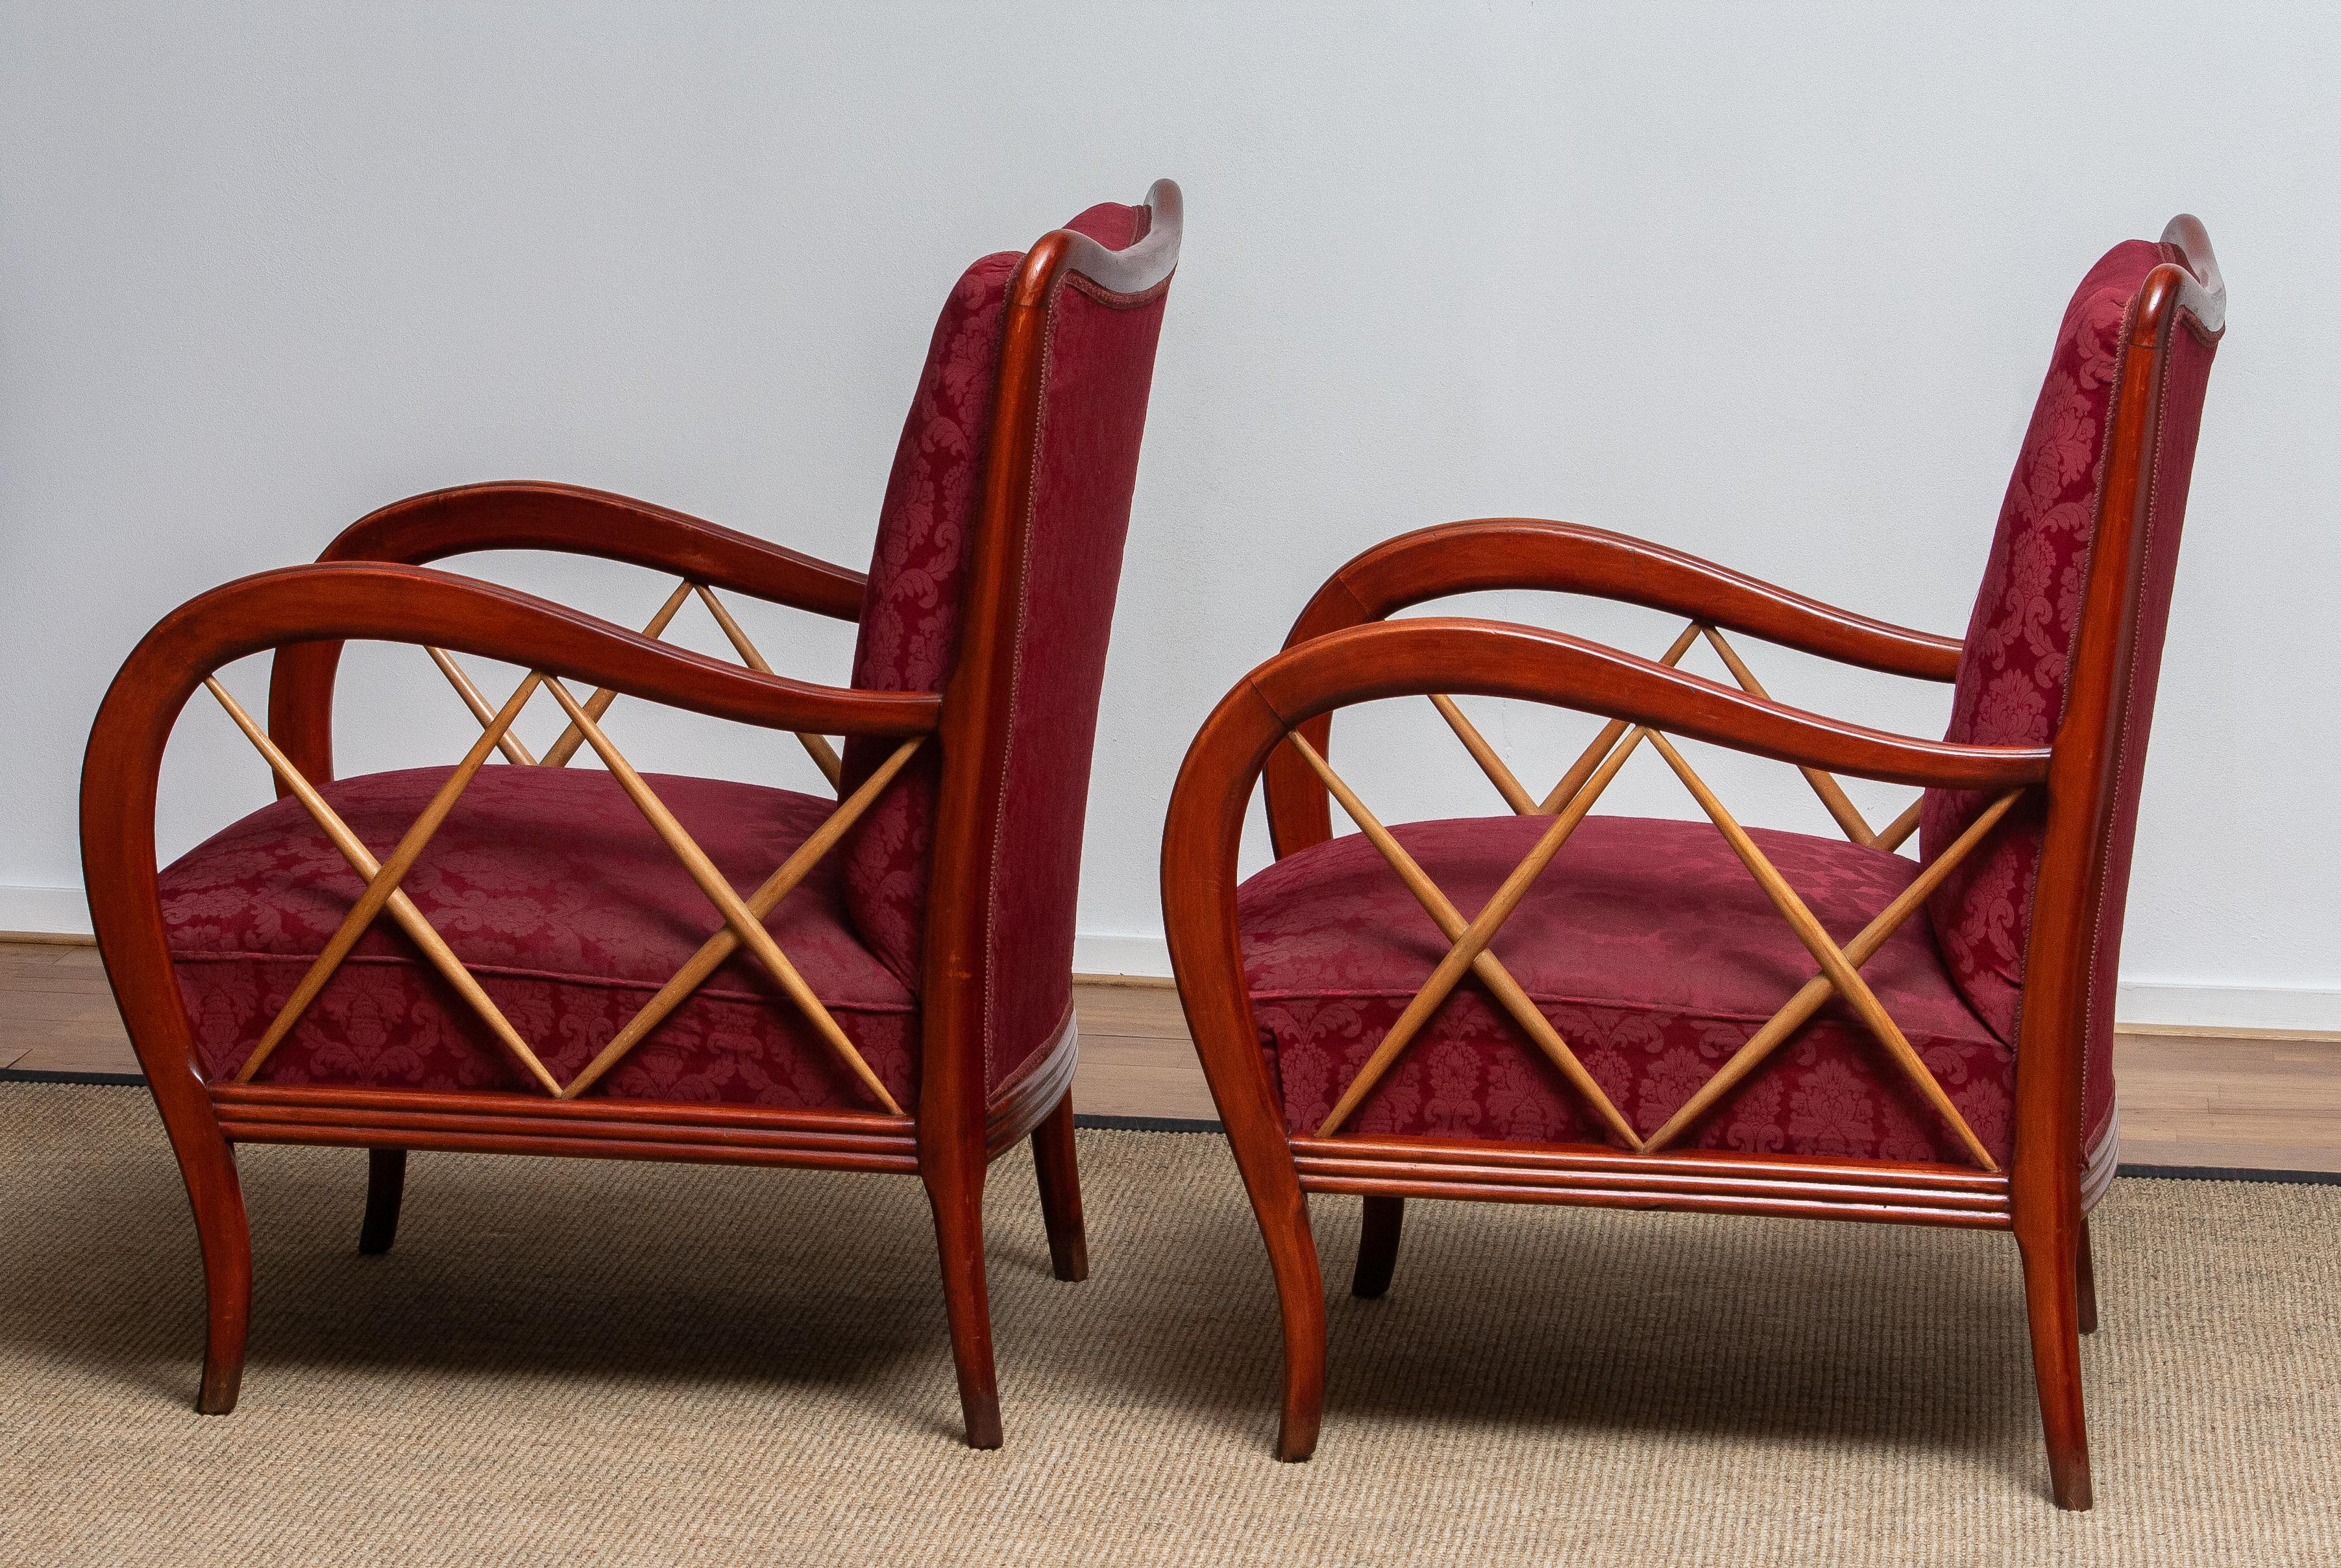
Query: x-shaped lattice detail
x=1570, y=799
x=744, y=918
x=823, y=755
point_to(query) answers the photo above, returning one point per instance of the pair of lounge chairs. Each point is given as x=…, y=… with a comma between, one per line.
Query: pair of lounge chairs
x=1549, y=1006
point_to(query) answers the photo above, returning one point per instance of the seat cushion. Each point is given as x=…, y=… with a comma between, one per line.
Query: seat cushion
x=558, y=896
x=1655, y=956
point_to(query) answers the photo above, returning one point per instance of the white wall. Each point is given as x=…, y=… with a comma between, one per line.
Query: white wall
x=1775, y=285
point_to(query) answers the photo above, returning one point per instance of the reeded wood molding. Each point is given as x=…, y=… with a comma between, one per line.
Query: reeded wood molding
x=1025, y=1100
x=1705, y=1181
x=607, y=1129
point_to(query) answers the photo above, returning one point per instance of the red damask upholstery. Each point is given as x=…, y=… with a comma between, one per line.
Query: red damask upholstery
x=1655, y=956
x=1099, y=367
x=554, y=891
x=912, y=609
x=2013, y=674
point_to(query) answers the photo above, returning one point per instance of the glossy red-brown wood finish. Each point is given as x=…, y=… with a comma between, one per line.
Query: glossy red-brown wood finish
x=1342, y=652
x=372, y=583
x=1517, y=552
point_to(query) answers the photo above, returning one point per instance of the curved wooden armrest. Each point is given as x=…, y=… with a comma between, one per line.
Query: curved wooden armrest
x=324, y=604
x=1564, y=557
x=1501, y=659
x=527, y=515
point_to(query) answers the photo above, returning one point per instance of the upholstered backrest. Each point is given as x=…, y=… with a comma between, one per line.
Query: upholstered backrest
x=913, y=610
x=2014, y=671
x=1098, y=368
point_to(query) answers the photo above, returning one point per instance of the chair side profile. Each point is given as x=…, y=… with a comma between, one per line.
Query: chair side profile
x=1363, y=1034
x=526, y=958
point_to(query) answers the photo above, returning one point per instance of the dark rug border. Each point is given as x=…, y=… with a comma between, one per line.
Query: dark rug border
x=1194, y=1124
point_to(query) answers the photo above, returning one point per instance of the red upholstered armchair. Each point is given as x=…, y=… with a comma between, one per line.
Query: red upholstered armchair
x=1559, y=1007
x=538, y=960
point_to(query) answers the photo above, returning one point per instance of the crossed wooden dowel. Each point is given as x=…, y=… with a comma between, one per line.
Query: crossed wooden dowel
x=1567, y=804
x=744, y=918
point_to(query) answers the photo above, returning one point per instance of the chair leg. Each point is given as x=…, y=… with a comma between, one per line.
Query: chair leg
x=2052, y=1302
x=2085, y=1281
x=1301, y=1299
x=1378, y=1247
x=207, y=1162
x=1053, y=1160
x=957, y=1197
x=385, y=1185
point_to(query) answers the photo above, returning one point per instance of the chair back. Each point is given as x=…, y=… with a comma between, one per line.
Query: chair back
x=2060, y=561
x=993, y=580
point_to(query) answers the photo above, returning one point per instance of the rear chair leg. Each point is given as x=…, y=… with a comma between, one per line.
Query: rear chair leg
x=1060, y=1192
x=2085, y=1281
x=385, y=1185
x=1378, y=1247
x=957, y=1197
x=2052, y=1302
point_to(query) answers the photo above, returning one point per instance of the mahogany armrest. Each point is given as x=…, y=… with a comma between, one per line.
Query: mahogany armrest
x=527, y=515
x=311, y=608
x=1564, y=557
x=1501, y=659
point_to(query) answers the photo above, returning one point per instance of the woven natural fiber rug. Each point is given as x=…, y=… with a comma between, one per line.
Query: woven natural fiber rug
x=582, y=1363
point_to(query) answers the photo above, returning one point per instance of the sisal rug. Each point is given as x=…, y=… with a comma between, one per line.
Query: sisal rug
x=582, y=1363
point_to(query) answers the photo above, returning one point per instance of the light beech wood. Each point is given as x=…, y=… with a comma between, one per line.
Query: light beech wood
x=1486, y=964
x=1891, y=835
x=565, y=746
x=750, y=929
x=386, y=881
x=1832, y=794
x=476, y=700
x=825, y=756
x=402, y=908
x=1590, y=759
x=1508, y=784
x=762, y=903
x=1809, y=998
x=1476, y=936
x=1842, y=974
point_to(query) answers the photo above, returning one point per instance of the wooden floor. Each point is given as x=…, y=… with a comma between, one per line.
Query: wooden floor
x=2231, y=1100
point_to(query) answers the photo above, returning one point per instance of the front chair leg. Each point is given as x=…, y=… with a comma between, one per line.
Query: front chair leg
x=1053, y=1160
x=957, y=1198
x=2051, y=1302
x=1378, y=1247
x=207, y=1162
x=385, y=1185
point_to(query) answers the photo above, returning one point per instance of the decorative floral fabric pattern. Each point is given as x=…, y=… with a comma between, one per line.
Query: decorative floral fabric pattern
x=912, y=611
x=914, y=606
x=1654, y=954
x=2012, y=675
x=553, y=889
